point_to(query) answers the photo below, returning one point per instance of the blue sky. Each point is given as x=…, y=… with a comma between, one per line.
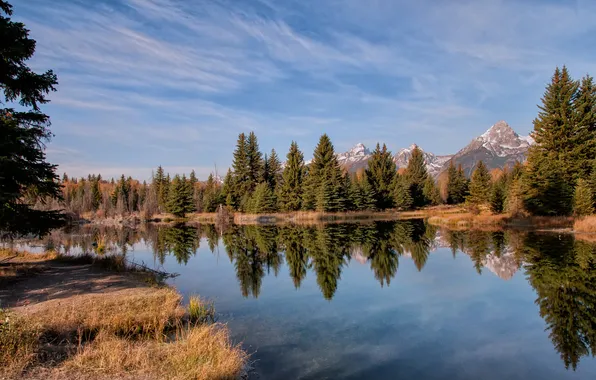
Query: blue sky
x=173, y=82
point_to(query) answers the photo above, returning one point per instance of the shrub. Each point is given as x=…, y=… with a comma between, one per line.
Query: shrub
x=200, y=311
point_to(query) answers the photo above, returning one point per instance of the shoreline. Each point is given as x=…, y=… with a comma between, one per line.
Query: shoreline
x=99, y=317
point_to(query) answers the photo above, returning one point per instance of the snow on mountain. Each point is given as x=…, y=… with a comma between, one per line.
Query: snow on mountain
x=500, y=146
x=434, y=164
x=355, y=158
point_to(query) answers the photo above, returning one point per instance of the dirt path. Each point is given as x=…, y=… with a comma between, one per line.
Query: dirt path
x=45, y=280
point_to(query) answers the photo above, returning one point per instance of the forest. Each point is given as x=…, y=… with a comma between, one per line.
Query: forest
x=558, y=178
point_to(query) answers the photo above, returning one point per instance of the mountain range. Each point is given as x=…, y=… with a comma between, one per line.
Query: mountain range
x=500, y=146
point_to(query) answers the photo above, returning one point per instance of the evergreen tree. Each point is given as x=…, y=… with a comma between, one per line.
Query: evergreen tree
x=227, y=189
x=368, y=195
x=255, y=161
x=556, y=131
x=180, y=197
x=262, y=200
x=416, y=174
x=380, y=174
x=25, y=175
x=431, y=192
x=583, y=138
x=479, y=185
x=545, y=190
x=592, y=182
x=401, y=193
x=290, y=193
x=161, y=183
x=457, y=185
x=498, y=194
x=583, y=202
x=274, y=171
x=212, y=195
x=96, y=196
x=324, y=188
x=241, y=179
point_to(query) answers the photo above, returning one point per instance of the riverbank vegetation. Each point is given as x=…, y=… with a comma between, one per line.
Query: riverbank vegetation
x=95, y=323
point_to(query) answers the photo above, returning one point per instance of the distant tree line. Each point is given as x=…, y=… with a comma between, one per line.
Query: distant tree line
x=559, y=177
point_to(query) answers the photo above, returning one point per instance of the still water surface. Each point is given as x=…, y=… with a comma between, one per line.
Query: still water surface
x=383, y=300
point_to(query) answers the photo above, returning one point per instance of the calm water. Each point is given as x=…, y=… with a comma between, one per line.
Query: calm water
x=386, y=300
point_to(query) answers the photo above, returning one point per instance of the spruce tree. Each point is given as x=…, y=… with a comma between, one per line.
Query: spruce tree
x=368, y=195
x=479, y=185
x=96, y=197
x=583, y=139
x=416, y=174
x=545, y=191
x=431, y=192
x=592, y=182
x=498, y=194
x=255, y=161
x=583, y=202
x=380, y=174
x=554, y=128
x=262, y=200
x=275, y=171
x=355, y=195
x=241, y=168
x=180, y=197
x=290, y=193
x=401, y=193
x=25, y=175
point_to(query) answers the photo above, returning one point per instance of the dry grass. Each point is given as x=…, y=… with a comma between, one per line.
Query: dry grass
x=19, y=339
x=127, y=312
x=585, y=224
x=20, y=256
x=200, y=311
x=468, y=220
x=200, y=352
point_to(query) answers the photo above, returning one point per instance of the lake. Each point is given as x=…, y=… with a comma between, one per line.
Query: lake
x=382, y=300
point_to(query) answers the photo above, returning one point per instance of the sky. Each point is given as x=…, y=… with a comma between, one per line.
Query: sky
x=144, y=83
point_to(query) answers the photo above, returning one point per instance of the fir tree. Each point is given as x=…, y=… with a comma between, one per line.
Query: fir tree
x=274, y=172
x=227, y=189
x=179, y=197
x=416, y=174
x=583, y=202
x=368, y=195
x=431, y=192
x=96, y=197
x=241, y=168
x=583, y=138
x=25, y=175
x=262, y=200
x=380, y=174
x=255, y=161
x=401, y=193
x=290, y=193
x=479, y=185
x=498, y=194
x=457, y=184
x=592, y=182
x=212, y=195
x=193, y=178
x=545, y=190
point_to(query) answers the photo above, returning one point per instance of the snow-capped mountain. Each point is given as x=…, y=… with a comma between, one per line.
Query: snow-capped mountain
x=355, y=158
x=434, y=164
x=498, y=147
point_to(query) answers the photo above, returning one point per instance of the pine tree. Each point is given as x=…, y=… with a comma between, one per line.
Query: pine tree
x=227, y=189
x=479, y=185
x=290, y=193
x=193, y=178
x=274, y=172
x=545, y=190
x=262, y=200
x=368, y=195
x=498, y=194
x=180, y=197
x=255, y=161
x=555, y=128
x=401, y=193
x=592, y=182
x=25, y=175
x=380, y=174
x=583, y=139
x=431, y=192
x=96, y=197
x=241, y=170
x=324, y=187
x=161, y=183
x=416, y=174
x=583, y=202
x=212, y=195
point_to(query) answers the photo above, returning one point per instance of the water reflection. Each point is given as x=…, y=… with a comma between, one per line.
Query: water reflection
x=561, y=269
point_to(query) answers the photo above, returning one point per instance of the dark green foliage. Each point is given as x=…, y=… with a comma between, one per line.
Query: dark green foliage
x=498, y=194
x=255, y=161
x=273, y=171
x=262, y=200
x=182, y=241
x=212, y=195
x=545, y=192
x=380, y=174
x=479, y=185
x=457, y=185
x=96, y=197
x=290, y=192
x=161, y=185
x=227, y=190
x=25, y=176
x=416, y=175
x=324, y=185
x=583, y=202
x=565, y=130
x=401, y=193
x=431, y=192
x=592, y=182
x=180, y=200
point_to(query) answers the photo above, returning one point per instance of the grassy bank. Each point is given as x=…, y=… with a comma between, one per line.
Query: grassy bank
x=71, y=318
x=468, y=220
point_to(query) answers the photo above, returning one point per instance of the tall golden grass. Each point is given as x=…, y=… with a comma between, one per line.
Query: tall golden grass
x=585, y=224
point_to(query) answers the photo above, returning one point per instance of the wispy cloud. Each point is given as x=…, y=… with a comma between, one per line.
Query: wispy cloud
x=144, y=82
